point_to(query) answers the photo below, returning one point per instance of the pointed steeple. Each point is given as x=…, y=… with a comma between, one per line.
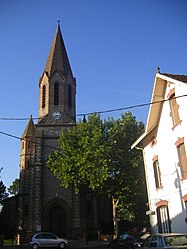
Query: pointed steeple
x=30, y=128
x=58, y=60
x=57, y=85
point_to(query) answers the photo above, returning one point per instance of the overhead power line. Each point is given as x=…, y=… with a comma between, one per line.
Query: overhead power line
x=24, y=139
x=104, y=111
x=130, y=107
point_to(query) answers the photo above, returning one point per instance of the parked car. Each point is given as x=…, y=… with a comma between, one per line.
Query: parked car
x=125, y=241
x=45, y=239
x=167, y=240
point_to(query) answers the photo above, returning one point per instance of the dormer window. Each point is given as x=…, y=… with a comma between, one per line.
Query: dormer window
x=43, y=96
x=56, y=94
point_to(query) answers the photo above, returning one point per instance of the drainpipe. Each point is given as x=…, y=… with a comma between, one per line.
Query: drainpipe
x=148, y=191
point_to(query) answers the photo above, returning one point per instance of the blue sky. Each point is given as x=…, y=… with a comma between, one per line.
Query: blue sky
x=114, y=48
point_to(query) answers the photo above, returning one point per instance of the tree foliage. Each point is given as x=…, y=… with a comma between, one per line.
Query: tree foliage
x=97, y=154
x=82, y=158
x=3, y=192
x=14, y=187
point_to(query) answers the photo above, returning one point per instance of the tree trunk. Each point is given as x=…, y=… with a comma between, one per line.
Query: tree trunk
x=115, y=218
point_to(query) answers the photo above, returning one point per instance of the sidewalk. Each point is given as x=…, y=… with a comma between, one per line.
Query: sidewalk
x=87, y=244
x=72, y=244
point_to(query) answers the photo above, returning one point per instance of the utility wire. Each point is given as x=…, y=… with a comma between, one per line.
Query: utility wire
x=24, y=139
x=84, y=114
x=106, y=111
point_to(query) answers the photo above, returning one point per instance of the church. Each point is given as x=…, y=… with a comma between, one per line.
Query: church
x=43, y=205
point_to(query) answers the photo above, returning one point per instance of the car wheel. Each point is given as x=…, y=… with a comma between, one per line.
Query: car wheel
x=62, y=245
x=35, y=246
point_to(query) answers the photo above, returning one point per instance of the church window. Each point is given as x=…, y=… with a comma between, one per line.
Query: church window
x=182, y=157
x=56, y=94
x=28, y=145
x=69, y=97
x=23, y=145
x=43, y=96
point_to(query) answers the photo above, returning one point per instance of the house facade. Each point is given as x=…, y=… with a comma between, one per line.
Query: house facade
x=43, y=204
x=164, y=147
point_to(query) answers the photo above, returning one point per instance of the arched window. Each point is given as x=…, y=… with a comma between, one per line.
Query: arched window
x=28, y=162
x=43, y=96
x=69, y=97
x=56, y=94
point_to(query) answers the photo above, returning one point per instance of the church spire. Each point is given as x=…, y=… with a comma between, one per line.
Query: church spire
x=57, y=85
x=30, y=128
x=58, y=60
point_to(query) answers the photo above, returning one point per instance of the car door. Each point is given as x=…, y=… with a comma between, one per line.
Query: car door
x=42, y=239
x=52, y=240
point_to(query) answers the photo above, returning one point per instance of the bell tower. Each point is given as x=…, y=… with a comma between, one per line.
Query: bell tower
x=57, y=86
x=44, y=205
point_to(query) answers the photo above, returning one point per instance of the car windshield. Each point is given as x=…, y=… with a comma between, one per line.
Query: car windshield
x=176, y=240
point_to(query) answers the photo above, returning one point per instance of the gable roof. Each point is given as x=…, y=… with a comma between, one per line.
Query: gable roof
x=58, y=60
x=158, y=95
x=182, y=78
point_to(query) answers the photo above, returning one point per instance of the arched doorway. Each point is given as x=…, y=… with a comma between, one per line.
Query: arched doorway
x=57, y=221
x=57, y=218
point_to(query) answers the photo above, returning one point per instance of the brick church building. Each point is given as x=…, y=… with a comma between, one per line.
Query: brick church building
x=42, y=204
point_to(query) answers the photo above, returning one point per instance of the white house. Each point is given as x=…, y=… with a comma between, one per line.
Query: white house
x=164, y=146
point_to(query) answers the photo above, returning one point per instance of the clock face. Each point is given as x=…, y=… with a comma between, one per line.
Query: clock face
x=56, y=115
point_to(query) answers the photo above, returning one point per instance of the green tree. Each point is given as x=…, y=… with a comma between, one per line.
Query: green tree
x=126, y=181
x=97, y=154
x=14, y=187
x=3, y=192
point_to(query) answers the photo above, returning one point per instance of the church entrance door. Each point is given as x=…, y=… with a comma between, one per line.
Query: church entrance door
x=57, y=221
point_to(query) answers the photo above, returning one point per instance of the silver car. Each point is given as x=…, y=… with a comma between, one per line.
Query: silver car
x=44, y=239
x=166, y=241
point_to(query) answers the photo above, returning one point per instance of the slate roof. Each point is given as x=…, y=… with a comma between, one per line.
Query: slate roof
x=182, y=78
x=30, y=128
x=58, y=60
